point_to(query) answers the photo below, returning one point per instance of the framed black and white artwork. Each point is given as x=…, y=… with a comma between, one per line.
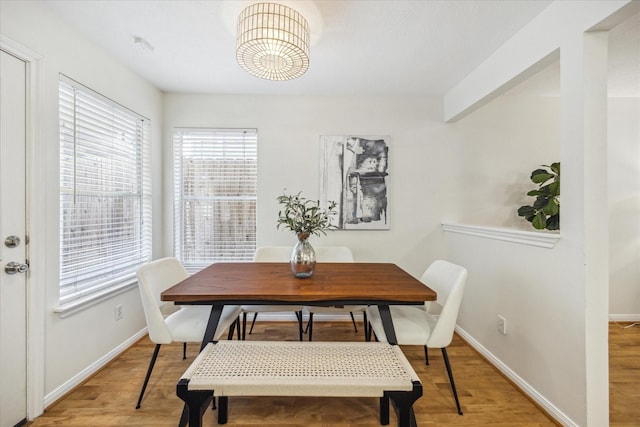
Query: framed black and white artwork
x=355, y=174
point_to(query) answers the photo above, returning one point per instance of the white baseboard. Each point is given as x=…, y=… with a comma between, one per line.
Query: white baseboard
x=290, y=317
x=525, y=387
x=624, y=317
x=81, y=376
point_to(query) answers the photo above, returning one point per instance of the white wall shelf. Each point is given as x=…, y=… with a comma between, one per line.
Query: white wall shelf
x=532, y=238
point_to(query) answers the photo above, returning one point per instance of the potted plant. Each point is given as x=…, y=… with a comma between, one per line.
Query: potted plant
x=305, y=218
x=545, y=212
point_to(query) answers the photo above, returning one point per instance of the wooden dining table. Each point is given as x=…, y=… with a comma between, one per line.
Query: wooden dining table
x=272, y=283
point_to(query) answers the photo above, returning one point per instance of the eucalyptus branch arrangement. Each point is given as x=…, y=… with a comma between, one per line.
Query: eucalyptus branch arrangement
x=545, y=212
x=302, y=215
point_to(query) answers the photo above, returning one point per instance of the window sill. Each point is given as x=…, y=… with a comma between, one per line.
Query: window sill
x=532, y=238
x=80, y=304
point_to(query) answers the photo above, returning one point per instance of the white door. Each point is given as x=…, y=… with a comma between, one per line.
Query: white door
x=13, y=241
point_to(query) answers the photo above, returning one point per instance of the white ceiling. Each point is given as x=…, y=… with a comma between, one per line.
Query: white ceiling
x=359, y=47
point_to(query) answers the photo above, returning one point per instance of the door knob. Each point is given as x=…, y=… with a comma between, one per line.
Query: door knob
x=15, y=267
x=12, y=241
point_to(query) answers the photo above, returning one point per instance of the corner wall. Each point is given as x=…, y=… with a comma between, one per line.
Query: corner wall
x=624, y=208
x=78, y=345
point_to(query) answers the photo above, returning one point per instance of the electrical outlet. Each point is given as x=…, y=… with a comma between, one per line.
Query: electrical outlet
x=117, y=312
x=502, y=325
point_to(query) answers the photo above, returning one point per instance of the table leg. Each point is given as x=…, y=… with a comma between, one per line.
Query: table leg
x=387, y=324
x=389, y=331
x=214, y=319
x=209, y=333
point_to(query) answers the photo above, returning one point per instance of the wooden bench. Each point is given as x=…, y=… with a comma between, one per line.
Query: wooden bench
x=277, y=368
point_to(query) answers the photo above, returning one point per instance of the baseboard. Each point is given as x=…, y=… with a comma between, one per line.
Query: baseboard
x=624, y=317
x=86, y=373
x=290, y=317
x=524, y=387
x=83, y=375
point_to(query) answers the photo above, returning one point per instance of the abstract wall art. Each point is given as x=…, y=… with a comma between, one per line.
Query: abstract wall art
x=355, y=174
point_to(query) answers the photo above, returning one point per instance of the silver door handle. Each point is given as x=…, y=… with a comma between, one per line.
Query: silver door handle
x=16, y=267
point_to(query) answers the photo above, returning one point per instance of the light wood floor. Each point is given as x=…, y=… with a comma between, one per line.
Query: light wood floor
x=624, y=375
x=109, y=397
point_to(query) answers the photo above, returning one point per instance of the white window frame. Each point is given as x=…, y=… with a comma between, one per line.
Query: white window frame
x=95, y=130
x=228, y=186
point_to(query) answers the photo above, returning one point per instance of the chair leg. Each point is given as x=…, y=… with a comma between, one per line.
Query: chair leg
x=306, y=329
x=353, y=320
x=310, y=326
x=453, y=384
x=426, y=355
x=232, y=329
x=244, y=326
x=184, y=350
x=365, y=322
x=253, y=322
x=238, y=326
x=146, y=378
x=299, y=317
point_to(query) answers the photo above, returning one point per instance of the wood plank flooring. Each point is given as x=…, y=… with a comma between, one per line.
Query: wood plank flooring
x=624, y=375
x=487, y=398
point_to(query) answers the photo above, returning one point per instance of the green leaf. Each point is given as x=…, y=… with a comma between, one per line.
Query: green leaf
x=540, y=175
x=554, y=188
x=539, y=221
x=552, y=207
x=544, y=190
x=526, y=211
x=533, y=193
x=555, y=167
x=540, y=202
x=553, y=222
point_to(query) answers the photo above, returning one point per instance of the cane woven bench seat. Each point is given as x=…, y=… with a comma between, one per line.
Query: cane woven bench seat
x=276, y=368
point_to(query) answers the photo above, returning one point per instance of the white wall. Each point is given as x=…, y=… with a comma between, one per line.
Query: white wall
x=83, y=341
x=423, y=162
x=530, y=286
x=624, y=208
x=558, y=297
x=503, y=143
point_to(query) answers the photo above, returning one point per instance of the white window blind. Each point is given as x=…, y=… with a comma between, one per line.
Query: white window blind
x=215, y=195
x=105, y=192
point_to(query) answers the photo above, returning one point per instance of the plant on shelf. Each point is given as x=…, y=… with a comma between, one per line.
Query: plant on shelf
x=304, y=216
x=545, y=212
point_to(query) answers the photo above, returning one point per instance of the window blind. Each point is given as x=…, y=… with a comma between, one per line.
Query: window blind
x=105, y=192
x=215, y=195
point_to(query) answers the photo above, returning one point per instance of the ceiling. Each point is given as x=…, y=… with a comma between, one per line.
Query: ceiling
x=359, y=47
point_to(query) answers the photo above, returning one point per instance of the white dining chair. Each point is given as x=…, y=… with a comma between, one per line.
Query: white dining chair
x=184, y=323
x=334, y=254
x=271, y=254
x=430, y=325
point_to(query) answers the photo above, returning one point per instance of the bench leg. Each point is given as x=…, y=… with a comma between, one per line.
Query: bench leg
x=403, y=403
x=223, y=409
x=384, y=410
x=196, y=403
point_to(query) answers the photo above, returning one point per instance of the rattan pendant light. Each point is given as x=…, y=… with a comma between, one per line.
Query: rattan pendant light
x=272, y=42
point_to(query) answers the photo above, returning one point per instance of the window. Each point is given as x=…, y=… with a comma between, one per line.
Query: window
x=105, y=193
x=215, y=195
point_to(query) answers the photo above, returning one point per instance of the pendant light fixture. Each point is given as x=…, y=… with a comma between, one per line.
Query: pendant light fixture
x=272, y=42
